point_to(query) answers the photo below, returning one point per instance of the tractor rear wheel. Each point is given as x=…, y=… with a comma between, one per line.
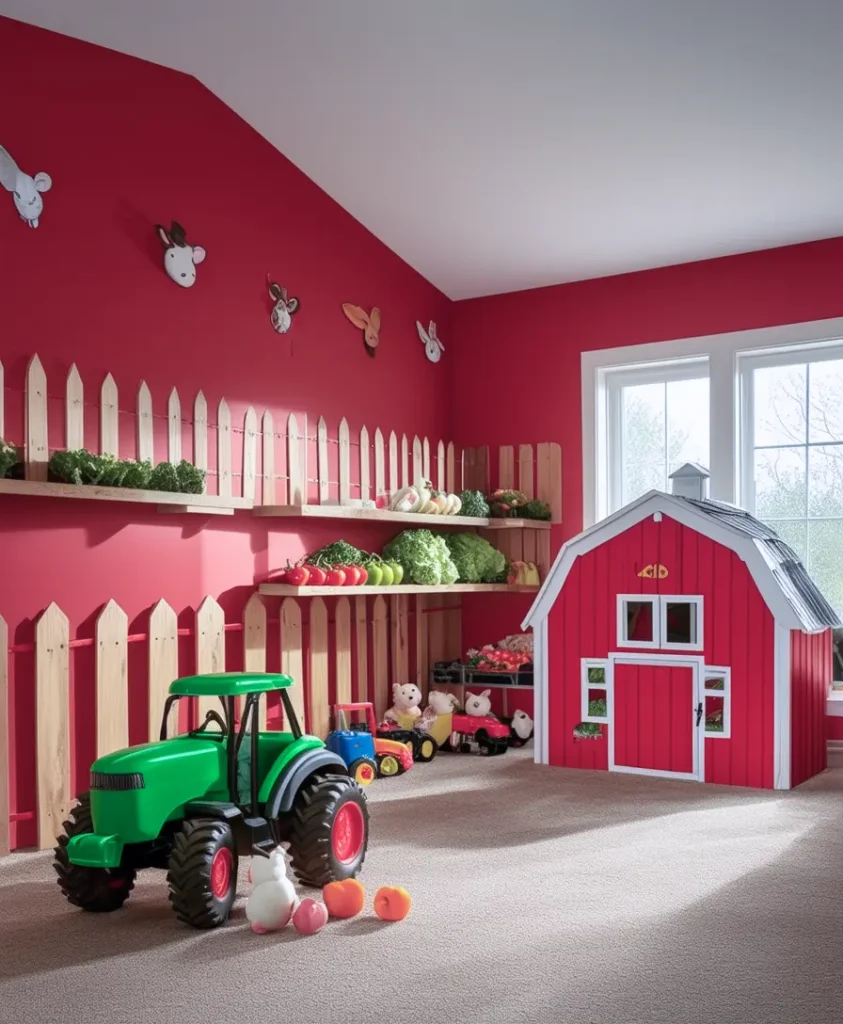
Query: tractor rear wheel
x=202, y=872
x=425, y=749
x=388, y=765
x=330, y=830
x=98, y=890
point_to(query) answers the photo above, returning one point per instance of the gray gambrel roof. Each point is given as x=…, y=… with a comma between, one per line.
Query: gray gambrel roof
x=789, y=592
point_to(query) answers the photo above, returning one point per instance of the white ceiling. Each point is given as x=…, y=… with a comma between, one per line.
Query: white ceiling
x=503, y=144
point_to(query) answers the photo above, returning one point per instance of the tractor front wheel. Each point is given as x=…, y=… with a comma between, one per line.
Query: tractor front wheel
x=425, y=749
x=330, y=830
x=98, y=890
x=202, y=872
x=364, y=771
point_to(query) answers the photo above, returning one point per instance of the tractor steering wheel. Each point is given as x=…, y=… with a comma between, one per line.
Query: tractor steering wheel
x=212, y=716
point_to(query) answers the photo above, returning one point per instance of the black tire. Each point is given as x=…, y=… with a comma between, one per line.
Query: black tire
x=424, y=749
x=486, y=745
x=316, y=854
x=97, y=890
x=202, y=873
x=363, y=770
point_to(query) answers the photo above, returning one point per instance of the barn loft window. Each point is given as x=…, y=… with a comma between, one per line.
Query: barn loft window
x=717, y=708
x=638, y=621
x=682, y=622
x=596, y=677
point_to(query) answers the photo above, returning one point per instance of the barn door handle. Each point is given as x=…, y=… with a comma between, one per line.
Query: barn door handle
x=699, y=713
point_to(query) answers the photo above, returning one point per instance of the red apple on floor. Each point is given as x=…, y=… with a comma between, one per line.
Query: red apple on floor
x=310, y=917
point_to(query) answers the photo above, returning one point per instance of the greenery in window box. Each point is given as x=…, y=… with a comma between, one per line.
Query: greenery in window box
x=9, y=457
x=592, y=730
x=597, y=674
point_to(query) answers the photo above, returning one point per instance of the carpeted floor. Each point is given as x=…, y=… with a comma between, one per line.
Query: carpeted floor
x=541, y=895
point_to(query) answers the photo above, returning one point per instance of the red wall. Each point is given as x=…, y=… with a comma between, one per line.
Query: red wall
x=810, y=671
x=737, y=634
x=129, y=144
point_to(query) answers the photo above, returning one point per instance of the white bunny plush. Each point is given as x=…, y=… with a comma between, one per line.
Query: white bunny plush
x=405, y=702
x=479, y=704
x=273, y=897
x=26, y=190
x=521, y=728
x=438, y=703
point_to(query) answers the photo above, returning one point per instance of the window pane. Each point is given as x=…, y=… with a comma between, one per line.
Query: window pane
x=687, y=423
x=825, y=559
x=596, y=674
x=825, y=480
x=780, y=405
x=715, y=683
x=714, y=714
x=639, y=620
x=681, y=622
x=643, y=441
x=780, y=484
x=825, y=413
x=795, y=535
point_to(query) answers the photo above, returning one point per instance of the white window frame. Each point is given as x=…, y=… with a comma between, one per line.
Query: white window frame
x=606, y=687
x=710, y=672
x=697, y=602
x=653, y=600
x=724, y=353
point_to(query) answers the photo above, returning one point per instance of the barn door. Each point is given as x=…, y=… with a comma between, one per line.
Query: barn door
x=653, y=725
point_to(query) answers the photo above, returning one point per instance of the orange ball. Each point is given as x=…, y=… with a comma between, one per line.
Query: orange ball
x=344, y=899
x=392, y=903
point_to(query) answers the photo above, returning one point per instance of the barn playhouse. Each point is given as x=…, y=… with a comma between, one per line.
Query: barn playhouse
x=680, y=637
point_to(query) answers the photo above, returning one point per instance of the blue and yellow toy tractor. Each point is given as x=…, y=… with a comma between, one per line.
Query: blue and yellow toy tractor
x=366, y=754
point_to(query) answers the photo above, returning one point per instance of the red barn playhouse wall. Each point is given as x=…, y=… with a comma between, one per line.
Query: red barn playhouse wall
x=738, y=634
x=128, y=144
x=810, y=671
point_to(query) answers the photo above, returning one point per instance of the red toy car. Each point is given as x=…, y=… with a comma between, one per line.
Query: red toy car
x=481, y=732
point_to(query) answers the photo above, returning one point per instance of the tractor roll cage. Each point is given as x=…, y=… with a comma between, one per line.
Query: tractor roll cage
x=234, y=738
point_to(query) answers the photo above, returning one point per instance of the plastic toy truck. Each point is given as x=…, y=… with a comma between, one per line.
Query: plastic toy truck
x=391, y=756
x=469, y=733
x=193, y=804
x=422, y=745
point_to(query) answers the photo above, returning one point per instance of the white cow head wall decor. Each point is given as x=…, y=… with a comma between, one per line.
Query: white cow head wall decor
x=26, y=190
x=180, y=259
x=285, y=306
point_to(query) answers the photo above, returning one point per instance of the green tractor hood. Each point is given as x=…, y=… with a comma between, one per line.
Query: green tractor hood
x=135, y=791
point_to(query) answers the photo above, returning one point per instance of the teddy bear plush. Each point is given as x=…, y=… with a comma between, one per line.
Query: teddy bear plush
x=406, y=698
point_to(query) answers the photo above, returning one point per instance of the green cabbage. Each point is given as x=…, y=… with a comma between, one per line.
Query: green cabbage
x=475, y=558
x=424, y=557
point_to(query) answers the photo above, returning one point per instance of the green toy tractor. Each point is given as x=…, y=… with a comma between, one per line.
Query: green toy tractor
x=193, y=804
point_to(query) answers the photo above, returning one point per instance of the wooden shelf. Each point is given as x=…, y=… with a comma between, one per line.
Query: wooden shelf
x=206, y=504
x=285, y=590
x=378, y=515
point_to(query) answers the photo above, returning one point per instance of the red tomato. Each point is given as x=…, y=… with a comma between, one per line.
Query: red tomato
x=335, y=577
x=352, y=575
x=299, y=576
x=317, y=576
x=363, y=575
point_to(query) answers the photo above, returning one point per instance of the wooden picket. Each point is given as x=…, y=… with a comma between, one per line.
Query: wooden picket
x=418, y=461
x=322, y=466
x=400, y=649
x=210, y=648
x=5, y=757
x=365, y=485
x=200, y=433
x=109, y=418
x=163, y=667
x=380, y=475
x=174, y=427
x=344, y=463
x=254, y=643
x=361, y=631
x=342, y=649
x=297, y=486
x=112, y=662
x=380, y=664
x=394, y=481
x=319, y=723
x=250, y=454
x=268, y=465
x=145, y=429
x=74, y=434
x=52, y=717
x=292, y=661
x=223, y=449
x=37, y=443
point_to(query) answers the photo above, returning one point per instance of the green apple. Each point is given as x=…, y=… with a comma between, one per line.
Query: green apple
x=397, y=572
x=375, y=571
x=386, y=569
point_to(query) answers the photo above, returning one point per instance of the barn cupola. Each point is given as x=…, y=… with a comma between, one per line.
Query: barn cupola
x=690, y=481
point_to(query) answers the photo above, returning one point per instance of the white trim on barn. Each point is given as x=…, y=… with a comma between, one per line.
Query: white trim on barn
x=541, y=719
x=781, y=708
x=688, y=515
x=718, y=672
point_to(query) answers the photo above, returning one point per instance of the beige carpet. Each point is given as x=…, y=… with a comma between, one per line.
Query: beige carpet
x=541, y=895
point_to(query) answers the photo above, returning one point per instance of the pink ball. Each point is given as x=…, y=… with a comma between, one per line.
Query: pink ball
x=310, y=917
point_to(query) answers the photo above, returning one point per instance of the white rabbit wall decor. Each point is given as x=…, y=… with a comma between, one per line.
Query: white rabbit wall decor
x=180, y=259
x=26, y=190
x=433, y=347
x=281, y=316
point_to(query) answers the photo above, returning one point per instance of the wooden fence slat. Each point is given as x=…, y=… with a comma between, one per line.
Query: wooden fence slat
x=469, y=477
x=74, y=409
x=365, y=473
x=400, y=639
x=394, y=482
x=426, y=460
x=422, y=661
x=210, y=649
x=525, y=469
x=296, y=492
x=529, y=543
x=342, y=647
x=320, y=716
x=441, y=475
x=109, y=418
x=268, y=461
x=223, y=449
x=5, y=838
x=453, y=487
x=405, y=460
x=418, y=461
x=200, y=434
x=254, y=645
x=163, y=667
x=361, y=628
x=380, y=664
x=112, y=634
x=145, y=431
x=344, y=462
x=250, y=454
x=291, y=654
x=2, y=393
x=52, y=717
x=37, y=443
x=482, y=468
x=543, y=552
x=506, y=467
x=322, y=465
x=380, y=475
x=555, y=500
x=174, y=428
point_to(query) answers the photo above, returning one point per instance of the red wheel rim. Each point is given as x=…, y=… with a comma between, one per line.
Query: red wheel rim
x=221, y=872
x=348, y=833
